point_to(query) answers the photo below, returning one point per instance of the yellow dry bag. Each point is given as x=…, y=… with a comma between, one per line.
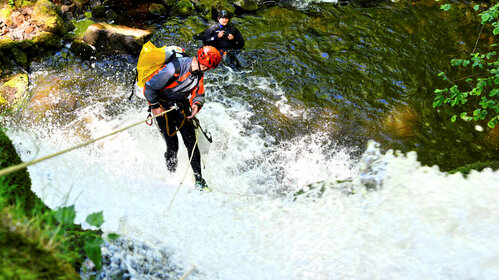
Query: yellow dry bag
x=152, y=58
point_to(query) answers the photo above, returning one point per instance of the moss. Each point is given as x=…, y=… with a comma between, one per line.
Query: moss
x=466, y=169
x=7, y=44
x=20, y=57
x=28, y=251
x=81, y=26
x=183, y=8
x=47, y=39
x=20, y=179
x=13, y=92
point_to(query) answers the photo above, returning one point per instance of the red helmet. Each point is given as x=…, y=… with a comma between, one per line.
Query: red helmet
x=209, y=56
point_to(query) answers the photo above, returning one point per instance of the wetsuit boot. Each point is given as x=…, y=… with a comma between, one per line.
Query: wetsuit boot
x=171, y=162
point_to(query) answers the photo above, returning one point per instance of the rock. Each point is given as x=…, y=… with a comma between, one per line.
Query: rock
x=82, y=49
x=157, y=9
x=47, y=16
x=14, y=91
x=182, y=8
x=99, y=11
x=109, y=38
x=246, y=5
x=401, y=122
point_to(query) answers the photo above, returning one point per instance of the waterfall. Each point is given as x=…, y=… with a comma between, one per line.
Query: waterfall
x=302, y=208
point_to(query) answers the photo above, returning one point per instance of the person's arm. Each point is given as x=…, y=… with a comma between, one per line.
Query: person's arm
x=238, y=39
x=209, y=35
x=197, y=98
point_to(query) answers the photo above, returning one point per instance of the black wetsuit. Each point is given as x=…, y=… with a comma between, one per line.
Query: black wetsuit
x=157, y=91
x=210, y=37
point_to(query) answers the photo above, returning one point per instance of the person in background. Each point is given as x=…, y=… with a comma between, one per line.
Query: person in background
x=186, y=95
x=223, y=35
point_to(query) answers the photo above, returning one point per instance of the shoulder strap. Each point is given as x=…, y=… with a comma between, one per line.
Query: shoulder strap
x=133, y=89
x=175, y=76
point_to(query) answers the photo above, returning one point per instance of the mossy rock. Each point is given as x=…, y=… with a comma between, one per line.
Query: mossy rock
x=466, y=169
x=19, y=182
x=182, y=8
x=14, y=91
x=157, y=9
x=48, y=16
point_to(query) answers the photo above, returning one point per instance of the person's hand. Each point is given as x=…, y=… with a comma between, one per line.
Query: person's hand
x=221, y=34
x=230, y=37
x=195, y=110
x=157, y=111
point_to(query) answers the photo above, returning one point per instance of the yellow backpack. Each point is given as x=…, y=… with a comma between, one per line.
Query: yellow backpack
x=151, y=59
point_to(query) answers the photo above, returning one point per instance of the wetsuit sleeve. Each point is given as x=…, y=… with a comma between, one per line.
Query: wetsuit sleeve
x=157, y=82
x=238, y=39
x=197, y=94
x=209, y=35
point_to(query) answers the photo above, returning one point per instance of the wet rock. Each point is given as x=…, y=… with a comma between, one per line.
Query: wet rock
x=14, y=91
x=51, y=98
x=157, y=9
x=109, y=38
x=401, y=122
x=82, y=49
x=246, y=5
x=99, y=11
x=183, y=8
x=47, y=16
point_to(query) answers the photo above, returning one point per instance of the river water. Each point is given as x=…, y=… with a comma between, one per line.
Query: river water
x=300, y=190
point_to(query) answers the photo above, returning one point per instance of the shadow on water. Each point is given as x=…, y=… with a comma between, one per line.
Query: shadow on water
x=355, y=73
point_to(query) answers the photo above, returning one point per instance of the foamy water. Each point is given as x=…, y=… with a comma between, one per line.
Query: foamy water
x=415, y=223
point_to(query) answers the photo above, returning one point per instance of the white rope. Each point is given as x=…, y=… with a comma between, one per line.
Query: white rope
x=15, y=168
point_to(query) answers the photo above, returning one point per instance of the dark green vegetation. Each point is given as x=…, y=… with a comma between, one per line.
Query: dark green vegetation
x=477, y=82
x=36, y=242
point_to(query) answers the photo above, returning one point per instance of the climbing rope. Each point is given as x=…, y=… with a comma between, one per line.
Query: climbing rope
x=188, y=272
x=15, y=168
x=185, y=174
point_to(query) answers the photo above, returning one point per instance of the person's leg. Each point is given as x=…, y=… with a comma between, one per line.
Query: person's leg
x=189, y=137
x=171, y=142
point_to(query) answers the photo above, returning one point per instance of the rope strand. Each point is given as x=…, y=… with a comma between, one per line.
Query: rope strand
x=18, y=167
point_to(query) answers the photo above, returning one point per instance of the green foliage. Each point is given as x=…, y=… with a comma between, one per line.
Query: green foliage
x=39, y=243
x=465, y=170
x=480, y=85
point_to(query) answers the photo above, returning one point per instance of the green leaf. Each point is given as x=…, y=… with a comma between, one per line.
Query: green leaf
x=113, y=236
x=93, y=251
x=485, y=18
x=494, y=92
x=95, y=219
x=476, y=7
x=495, y=31
x=483, y=114
x=446, y=7
x=66, y=215
x=453, y=119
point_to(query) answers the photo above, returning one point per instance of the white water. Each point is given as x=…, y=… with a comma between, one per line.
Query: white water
x=419, y=224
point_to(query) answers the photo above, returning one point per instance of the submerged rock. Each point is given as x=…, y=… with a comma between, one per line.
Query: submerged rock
x=401, y=122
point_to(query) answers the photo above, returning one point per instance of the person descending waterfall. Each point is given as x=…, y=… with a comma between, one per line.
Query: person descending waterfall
x=224, y=36
x=186, y=95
